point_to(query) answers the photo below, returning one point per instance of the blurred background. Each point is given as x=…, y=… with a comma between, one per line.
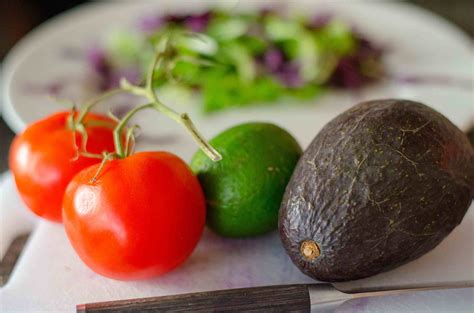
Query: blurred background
x=20, y=16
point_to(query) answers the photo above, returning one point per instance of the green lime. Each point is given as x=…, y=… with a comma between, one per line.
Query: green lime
x=244, y=190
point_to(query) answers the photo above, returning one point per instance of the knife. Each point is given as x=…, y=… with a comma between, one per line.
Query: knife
x=280, y=298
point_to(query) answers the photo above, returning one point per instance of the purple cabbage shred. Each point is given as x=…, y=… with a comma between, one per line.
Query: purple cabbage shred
x=97, y=60
x=273, y=59
x=347, y=74
x=275, y=63
x=197, y=23
x=289, y=75
x=132, y=74
x=320, y=20
x=352, y=71
x=150, y=24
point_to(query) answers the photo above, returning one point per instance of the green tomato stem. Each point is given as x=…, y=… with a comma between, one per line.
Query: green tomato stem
x=77, y=124
x=89, y=105
x=120, y=127
x=130, y=139
x=163, y=58
x=148, y=92
x=105, y=157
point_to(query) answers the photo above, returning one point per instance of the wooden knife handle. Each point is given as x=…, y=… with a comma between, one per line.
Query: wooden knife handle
x=281, y=298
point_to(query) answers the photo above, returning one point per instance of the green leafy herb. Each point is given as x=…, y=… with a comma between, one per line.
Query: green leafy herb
x=238, y=60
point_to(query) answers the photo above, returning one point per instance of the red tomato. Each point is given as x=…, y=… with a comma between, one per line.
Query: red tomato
x=42, y=160
x=141, y=217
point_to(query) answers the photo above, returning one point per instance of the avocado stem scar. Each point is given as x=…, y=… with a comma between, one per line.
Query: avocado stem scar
x=309, y=250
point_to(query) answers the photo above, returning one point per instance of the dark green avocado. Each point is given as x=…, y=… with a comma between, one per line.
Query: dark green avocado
x=381, y=184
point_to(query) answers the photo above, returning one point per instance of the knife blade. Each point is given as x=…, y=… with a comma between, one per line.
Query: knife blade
x=280, y=298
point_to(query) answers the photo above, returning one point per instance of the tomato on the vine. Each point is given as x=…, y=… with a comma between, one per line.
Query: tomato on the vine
x=44, y=158
x=136, y=217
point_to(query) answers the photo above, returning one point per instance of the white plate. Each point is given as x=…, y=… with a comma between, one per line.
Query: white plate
x=421, y=44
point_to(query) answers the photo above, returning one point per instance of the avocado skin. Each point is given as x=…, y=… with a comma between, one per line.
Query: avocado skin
x=380, y=185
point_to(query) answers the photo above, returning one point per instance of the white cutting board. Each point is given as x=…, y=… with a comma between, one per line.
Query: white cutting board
x=50, y=277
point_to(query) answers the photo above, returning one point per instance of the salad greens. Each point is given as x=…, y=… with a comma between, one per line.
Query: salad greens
x=244, y=59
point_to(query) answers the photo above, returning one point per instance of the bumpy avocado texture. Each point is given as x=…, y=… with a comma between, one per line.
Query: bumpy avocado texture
x=381, y=184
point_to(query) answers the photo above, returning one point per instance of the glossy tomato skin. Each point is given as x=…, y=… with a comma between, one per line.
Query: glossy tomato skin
x=142, y=217
x=42, y=160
